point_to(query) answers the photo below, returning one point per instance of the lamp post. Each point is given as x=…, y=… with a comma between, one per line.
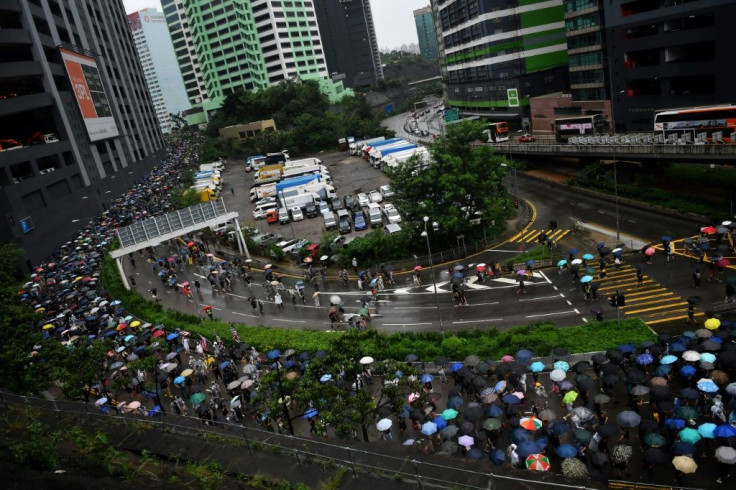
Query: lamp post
x=425, y=234
x=615, y=191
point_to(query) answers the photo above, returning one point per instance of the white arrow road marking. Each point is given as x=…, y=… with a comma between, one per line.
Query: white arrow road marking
x=439, y=285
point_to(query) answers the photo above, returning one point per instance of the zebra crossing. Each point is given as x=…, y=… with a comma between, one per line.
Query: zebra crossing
x=532, y=236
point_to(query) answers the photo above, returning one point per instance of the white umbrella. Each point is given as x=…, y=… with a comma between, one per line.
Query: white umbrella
x=366, y=360
x=726, y=454
x=557, y=375
x=691, y=356
x=384, y=424
x=335, y=299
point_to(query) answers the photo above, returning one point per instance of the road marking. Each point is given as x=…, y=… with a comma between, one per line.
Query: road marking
x=576, y=311
x=291, y=321
x=632, y=221
x=656, y=308
x=555, y=288
x=585, y=319
x=545, y=277
x=601, y=211
x=569, y=303
x=244, y=314
x=541, y=297
x=549, y=314
x=403, y=324
x=481, y=320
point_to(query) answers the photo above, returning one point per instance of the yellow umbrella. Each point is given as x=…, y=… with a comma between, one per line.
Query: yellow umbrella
x=48, y=326
x=187, y=372
x=712, y=323
x=686, y=464
x=135, y=323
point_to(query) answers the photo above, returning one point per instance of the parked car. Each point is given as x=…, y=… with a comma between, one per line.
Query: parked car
x=297, y=214
x=336, y=204
x=363, y=199
x=392, y=214
x=376, y=196
x=330, y=221
x=267, y=237
x=349, y=202
x=323, y=207
x=386, y=191
x=344, y=226
x=311, y=211
x=338, y=242
x=272, y=216
x=527, y=138
x=283, y=216
x=285, y=243
x=360, y=223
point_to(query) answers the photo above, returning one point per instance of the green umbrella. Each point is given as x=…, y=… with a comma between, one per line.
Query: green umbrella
x=570, y=397
x=363, y=311
x=654, y=440
x=449, y=414
x=491, y=424
x=583, y=436
x=689, y=435
x=197, y=398
x=687, y=413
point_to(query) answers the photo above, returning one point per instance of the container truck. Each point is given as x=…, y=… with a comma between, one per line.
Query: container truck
x=392, y=160
x=274, y=158
x=261, y=191
x=267, y=170
x=302, y=162
x=356, y=146
x=378, y=154
x=366, y=149
x=254, y=162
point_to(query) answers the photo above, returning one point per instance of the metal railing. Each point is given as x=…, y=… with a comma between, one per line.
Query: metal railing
x=304, y=450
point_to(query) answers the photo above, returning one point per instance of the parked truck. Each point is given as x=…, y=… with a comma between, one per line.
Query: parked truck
x=266, y=170
x=261, y=191
x=254, y=162
x=299, y=201
x=274, y=158
x=392, y=160
x=302, y=162
x=366, y=149
x=357, y=146
x=378, y=155
x=218, y=165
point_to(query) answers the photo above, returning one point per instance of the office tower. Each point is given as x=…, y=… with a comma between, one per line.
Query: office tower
x=160, y=68
x=72, y=93
x=349, y=41
x=426, y=33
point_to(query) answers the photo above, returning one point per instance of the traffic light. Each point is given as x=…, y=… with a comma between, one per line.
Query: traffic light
x=621, y=300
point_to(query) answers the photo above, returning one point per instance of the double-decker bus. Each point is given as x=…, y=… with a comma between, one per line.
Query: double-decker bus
x=568, y=127
x=697, y=120
x=497, y=132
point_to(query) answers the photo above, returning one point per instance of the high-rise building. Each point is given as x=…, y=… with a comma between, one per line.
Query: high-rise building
x=668, y=54
x=157, y=58
x=349, y=41
x=72, y=93
x=246, y=44
x=426, y=33
x=498, y=54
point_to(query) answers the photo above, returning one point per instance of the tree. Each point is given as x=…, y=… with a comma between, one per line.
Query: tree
x=462, y=179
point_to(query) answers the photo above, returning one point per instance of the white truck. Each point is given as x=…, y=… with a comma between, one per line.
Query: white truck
x=218, y=165
x=374, y=215
x=302, y=162
x=304, y=170
x=393, y=160
x=261, y=191
x=298, y=201
x=357, y=146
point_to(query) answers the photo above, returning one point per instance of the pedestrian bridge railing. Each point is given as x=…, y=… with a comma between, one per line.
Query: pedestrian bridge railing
x=410, y=467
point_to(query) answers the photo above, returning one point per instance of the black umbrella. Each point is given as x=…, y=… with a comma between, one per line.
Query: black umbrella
x=615, y=356
x=610, y=380
x=517, y=368
x=384, y=411
x=654, y=455
x=609, y=431
x=502, y=370
x=599, y=358
x=690, y=393
x=473, y=413
x=581, y=366
x=665, y=337
x=598, y=459
x=584, y=382
x=660, y=393
x=479, y=382
x=560, y=353
x=603, y=251
x=694, y=300
x=483, y=367
x=649, y=425
x=635, y=376
x=666, y=406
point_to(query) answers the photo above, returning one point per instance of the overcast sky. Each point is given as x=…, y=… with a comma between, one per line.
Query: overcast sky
x=393, y=18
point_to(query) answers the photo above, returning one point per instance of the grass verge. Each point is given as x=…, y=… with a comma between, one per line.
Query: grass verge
x=540, y=338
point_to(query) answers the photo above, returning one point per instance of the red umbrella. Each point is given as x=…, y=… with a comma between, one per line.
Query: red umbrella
x=121, y=327
x=417, y=267
x=159, y=333
x=723, y=263
x=206, y=307
x=185, y=284
x=649, y=252
x=708, y=230
x=190, y=244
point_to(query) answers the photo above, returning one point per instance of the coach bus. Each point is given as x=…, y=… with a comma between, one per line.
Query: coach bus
x=697, y=120
x=568, y=127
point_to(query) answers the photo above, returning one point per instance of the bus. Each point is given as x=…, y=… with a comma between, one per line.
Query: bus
x=595, y=124
x=696, y=121
x=498, y=132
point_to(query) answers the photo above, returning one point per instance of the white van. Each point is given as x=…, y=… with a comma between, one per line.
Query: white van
x=374, y=215
x=392, y=228
x=261, y=209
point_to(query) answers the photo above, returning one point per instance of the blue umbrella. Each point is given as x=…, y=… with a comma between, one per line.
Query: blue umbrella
x=90, y=318
x=666, y=238
x=524, y=356
x=510, y=399
x=681, y=448
x=325, y=378
x=677, y=347
x=456, y=366
x=271, y=355
x=537, y=367
x=668, y=359
x=179, y=380
x=626, y=348
x=475, y=453
x=542, y=442
x=224, y=364
x=644, y=359
x=707, y=386
x=493, y=411
x=566, y=451
x=289, y=364
x=573, y=251
x=527, y=448
x=154, y=411
x=530, y=263
x=109, y=334
x=440, y=422
x=398, y=373
x=429, y=428
x=498, y=457
x=558, y=428
x=562, y=263
x=427, y=378
x=500, y=386
x=458, y=275
x=724, y=430
x=675, y=424
x=520, y=435
x=456, y=402
x=172, y=336
x=706, y=430
x=562, y=366
x=586, y=279
x=687, y=371
x=588, y=256
x=311, y=413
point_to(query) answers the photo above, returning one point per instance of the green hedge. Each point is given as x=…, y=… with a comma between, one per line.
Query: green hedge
x=540, y=338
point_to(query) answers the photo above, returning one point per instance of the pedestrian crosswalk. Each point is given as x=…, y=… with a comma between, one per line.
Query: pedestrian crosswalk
x=532, y=236
x=649, y=300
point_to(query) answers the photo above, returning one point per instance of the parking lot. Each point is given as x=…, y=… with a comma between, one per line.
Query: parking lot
x=350, y=175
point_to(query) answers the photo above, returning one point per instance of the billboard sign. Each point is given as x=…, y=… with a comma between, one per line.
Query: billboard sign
x=90, y=94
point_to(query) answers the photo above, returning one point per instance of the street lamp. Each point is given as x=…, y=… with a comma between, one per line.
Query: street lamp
x=425, y=234
x=615, y=191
